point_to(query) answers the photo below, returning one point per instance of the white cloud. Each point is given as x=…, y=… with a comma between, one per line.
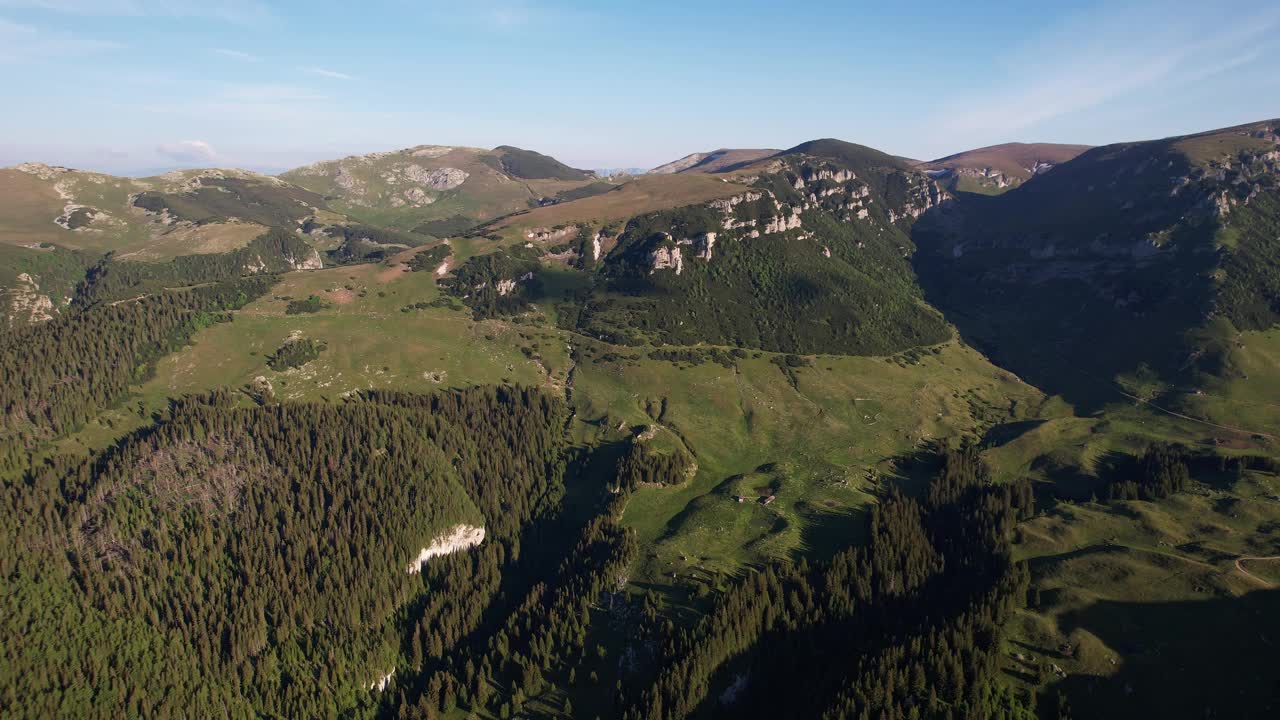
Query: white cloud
x=323, y=72
x=188, y=151
x=236, y=55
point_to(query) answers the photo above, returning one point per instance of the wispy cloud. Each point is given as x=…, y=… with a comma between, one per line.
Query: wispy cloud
x=236, y=55
x=243, y=12
x=19, y=43
x=268, y=92
x=324, y=72
x=1100, y=59
x=188, y=151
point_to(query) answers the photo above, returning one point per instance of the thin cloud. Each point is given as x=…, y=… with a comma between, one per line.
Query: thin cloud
x=188, y=151
x=268, y=93
x=22, y=43
x=242, y=12
x=323, y=72
x=1099, y=61
x=236, y=55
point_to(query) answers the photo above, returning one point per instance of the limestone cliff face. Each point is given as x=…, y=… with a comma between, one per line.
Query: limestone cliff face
x=703, y=245
x=666, y=257
x=26, y=304
x=923, y=196
x=459, y=537
x=445, y=178
x=310, y=261
x=551, y=235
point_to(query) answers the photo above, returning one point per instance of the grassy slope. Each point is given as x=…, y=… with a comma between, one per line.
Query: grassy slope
x=1012, y=159
x=486, y=193
x=642, y=195
x=29, y=205
x=1142, y=605
x=371, y=344
x=829, y=436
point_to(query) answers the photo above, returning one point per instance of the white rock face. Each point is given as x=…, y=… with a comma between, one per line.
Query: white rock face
x=40, y=170
x=703, y=244
x=782, y=223
x=666, y=258
x=311, y=262
x=416, y=196
x=381, y=683
x=547, y=235
x=444, y=268
x=676, y=166
x=26, y=304
x=438, y=179
x=506, y=287
x=459, y=537
x=347, y=181
x=431, y=151
x=597, y=245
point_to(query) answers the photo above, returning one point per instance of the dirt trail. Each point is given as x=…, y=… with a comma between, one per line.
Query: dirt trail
x=1251, y=576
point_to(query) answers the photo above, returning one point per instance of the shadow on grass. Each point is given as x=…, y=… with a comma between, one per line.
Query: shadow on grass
x=1192, y=659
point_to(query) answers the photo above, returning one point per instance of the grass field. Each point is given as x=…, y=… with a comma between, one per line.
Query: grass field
x=1249, y=395
x=642, y=195
x=819, y=446
x=1142, y=606
x=370, y=343
x=29, y=205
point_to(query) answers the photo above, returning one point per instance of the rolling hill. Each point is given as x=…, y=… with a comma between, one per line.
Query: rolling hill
x=442, y=190
x=1161, y=252
x=995, y=169
x=813, y=432
x=56, y=223
x=711, y=162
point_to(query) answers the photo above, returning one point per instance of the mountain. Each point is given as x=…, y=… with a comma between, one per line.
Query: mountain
x=1161, y=252
x=56, y=222
x=609, y=172
x=997, y=168
x=809, y=433
x=711, y=162
x=802, y=252
x=442, y=190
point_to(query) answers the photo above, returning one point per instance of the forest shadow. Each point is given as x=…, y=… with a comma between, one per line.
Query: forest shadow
x=1057, y=286
x=1189, y=659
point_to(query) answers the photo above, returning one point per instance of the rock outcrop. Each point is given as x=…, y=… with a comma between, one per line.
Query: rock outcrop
x=383, y=682
x=445, y=178
x=666, y=257
x=703, y=245
x=551, y=235
x=459, y=537
x=310, y=261
x=26, y=304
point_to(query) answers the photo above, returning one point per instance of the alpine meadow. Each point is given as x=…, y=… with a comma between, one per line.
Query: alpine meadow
x=407, y=392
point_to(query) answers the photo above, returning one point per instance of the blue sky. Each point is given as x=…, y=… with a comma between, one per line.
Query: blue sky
x=134, y=85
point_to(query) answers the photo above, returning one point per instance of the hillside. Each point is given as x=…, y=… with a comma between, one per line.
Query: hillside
x=181, y=212
x=995, y=169
x=441, y=190
x=711, y=162
x=1161, y=252
x=56, y=223
x=799, y=433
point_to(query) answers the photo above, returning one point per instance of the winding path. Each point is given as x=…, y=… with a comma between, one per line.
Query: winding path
x=1246, y=573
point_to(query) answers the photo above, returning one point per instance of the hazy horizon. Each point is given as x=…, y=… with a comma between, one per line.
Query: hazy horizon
x=133, y=86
